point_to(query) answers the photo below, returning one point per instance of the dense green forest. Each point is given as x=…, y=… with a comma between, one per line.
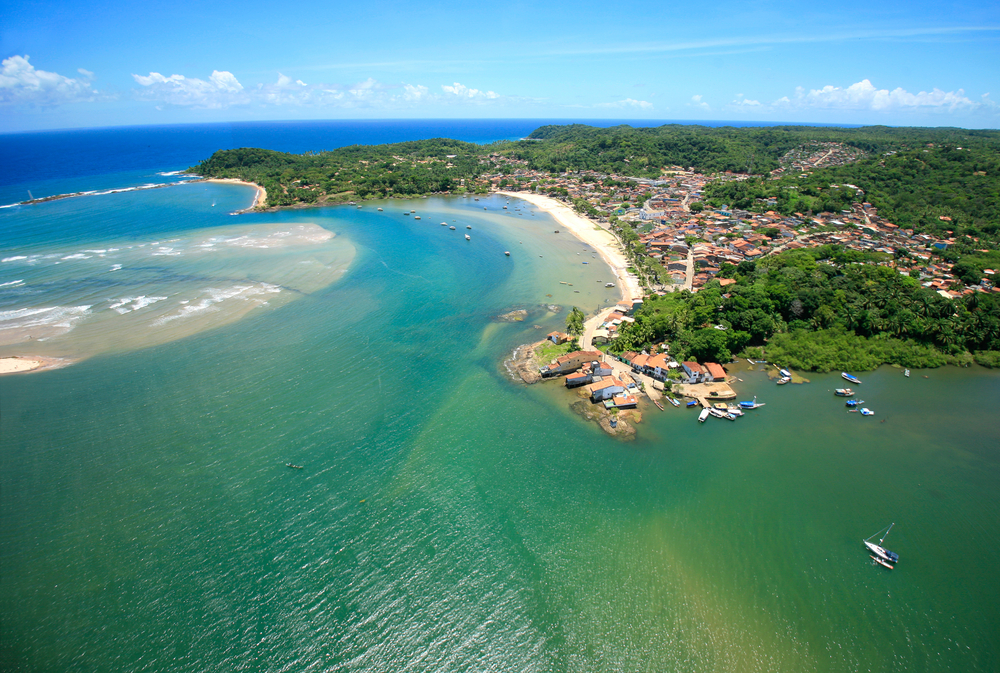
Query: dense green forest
x=355, y=172
x=819, y=309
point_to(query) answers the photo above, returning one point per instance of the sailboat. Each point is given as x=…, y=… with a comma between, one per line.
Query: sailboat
x=878, y=550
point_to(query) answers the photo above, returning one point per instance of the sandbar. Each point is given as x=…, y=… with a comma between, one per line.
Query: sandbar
x=588, y=231
x=259, y=200
x=16, y=364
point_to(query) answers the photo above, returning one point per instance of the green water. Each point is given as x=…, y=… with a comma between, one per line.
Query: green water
x=449, y=519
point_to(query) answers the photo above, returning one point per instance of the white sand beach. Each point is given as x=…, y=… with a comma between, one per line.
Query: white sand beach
x=590, y=233
x=259, y=200
x=15, y=364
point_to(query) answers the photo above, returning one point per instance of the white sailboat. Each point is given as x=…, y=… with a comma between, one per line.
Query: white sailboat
x=880, y=551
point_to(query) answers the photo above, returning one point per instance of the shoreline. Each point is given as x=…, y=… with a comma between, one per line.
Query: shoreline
x=583, y=228
x=259, y=199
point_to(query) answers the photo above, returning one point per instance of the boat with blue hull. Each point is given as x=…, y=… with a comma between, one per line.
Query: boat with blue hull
x=852, y=379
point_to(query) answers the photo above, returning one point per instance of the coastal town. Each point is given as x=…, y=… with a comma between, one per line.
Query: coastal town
x=683, y=243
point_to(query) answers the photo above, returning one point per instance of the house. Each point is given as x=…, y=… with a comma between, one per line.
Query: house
x=715, y=372
x=569, y=363
x=558, y=337
x=601, y=369
x=621, y=402
x=658, y=365
x=579, y=379
x=693, y=371
x=606, y=389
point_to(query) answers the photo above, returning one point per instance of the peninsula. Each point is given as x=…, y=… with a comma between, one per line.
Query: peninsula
x=821, y=248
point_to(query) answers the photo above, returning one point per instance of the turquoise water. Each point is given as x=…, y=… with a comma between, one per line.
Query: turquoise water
x=446, y=518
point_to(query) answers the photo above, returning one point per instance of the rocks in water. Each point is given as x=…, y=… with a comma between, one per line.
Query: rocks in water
x=517, y=315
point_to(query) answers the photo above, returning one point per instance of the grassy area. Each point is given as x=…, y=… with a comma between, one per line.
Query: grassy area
x=549, y=351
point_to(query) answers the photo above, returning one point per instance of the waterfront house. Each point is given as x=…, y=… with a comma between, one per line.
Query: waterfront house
x=569, y=363
x=715, y=372
x=579, y=379
x=605, y=389
x=621, y=402
x=693, y=371
x=558, y=337
x=658, y=365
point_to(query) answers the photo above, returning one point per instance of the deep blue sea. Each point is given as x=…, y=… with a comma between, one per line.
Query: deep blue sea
x=445, y=517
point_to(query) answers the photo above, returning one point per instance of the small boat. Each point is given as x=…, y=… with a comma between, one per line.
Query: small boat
x=785, y=373
x=380, y=210
x=673, y=402
x=718, y=413
x=507, y=252
x=413, y=211
x=609, y=285
x=852, y=379
x=505, y=207
x=556, y=231
x=783, y=380
x=735, y=410
x=444, y=224
x=468, y=238
x=865, y=411
x=843, y=392
x=294, y=467
x=853, y=403
x=884, y=564
x=586, y=262
x=906, y=373
x=880, y=551
x=416, y=217
x=468, y=226
x=405, y=213
x=703, y=415
x=752, y=405
x=452, y=228
x=692, y=403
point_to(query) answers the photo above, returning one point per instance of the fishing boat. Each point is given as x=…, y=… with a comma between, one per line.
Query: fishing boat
x=843, y=392
x=880, y=551
x=703, y=415
x=852, y=379
x=752, y=405
x=692, y=403
x=853, y=403
x=673, y=402
x=294, y=467
x=783, y=380
x=865, y=411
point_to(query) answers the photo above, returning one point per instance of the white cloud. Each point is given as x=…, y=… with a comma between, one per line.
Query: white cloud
x=22, y=83
x=463, y=91
x=746, y=102
x=221, y=90
x=864, y=96
x=696, y=101
x=628, y=103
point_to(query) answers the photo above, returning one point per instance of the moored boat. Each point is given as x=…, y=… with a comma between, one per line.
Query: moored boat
x=853, y=403
x=865, y=411
x=468, y=238
x=881, y=562
x=752, y=405
x=294, y=467
x=852, y=379
x=880, y=551
x=507, y=252
x=673, y=402
x=783, y=380
x=692, y=403
x=703, y=415
x=785, y=373
x=843, y=392
x=906, y=373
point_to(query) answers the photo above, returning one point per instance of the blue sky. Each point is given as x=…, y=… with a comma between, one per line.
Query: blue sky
x=75, y=64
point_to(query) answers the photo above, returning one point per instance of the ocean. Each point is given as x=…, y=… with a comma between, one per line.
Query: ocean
x=446, y=517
